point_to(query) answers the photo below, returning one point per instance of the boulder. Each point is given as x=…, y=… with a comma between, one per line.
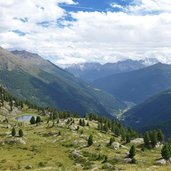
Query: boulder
x=124, y=147
x=137, y=141
x=28, y=167
x=13, y=140
x=76, y=154
x=127, y=160
x=73, y=127
x=115, y=145
x=161, y=162
x=108, y=166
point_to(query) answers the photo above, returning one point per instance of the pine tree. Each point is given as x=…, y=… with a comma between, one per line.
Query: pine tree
x=90, y=140
x=32, y=120
x=160, y=136
x=147, y=139
x=132, y=152
x=153, y=138
x=166, y=151
x=128, y=139
x=80, y=122
x=105, y=128
x=11, y=104
x=20, y=133
x=83, y=122
x=38, y=119
x=13, y=132
x=112, y=139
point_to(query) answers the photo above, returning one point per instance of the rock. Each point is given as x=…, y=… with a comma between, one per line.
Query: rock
x=115, y=145
x=108, y=166
x=61, y=124
x=158, y=145
x=161, y=162
x=76, y=154
x=83, y=136
x=21, y=141
x=14, y=140
x=73, y=127
x=127, y=160
x=28, y=167
x=137, y=141
x=124, y=147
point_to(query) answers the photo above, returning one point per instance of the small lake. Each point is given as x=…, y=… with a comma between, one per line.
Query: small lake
x=22, y=118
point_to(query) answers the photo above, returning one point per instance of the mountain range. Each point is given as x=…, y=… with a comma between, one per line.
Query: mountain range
x=28, y=76
x=137, y=86
x=90, y=72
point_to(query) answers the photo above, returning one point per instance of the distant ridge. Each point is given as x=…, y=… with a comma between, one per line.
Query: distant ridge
x=92, y=71
x=137, y=86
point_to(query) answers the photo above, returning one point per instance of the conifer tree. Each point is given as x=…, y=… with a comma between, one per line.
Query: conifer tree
x=83, y=122
x=80, y=122
x=147, y=139
x=112, y=139
x=132, y=152
x=32, y=120
x=153, y=138
x=13, y=132
x=160, y=136
x=20, y=133
x=90, y=140
x=38, y=119
x=166, y=151
x=128, y=139
x=11, y=104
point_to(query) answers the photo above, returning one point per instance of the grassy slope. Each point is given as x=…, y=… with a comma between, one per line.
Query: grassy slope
x=46, y=150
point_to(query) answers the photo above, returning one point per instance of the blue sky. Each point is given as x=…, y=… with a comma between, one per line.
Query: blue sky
x=76, y=31
x=94, y=5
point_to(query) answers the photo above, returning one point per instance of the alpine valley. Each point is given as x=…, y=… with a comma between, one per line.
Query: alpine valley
x=55, y=121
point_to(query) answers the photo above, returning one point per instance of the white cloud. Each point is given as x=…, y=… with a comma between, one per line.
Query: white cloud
x=151, y=5
x=93, y=36
x=115, y=5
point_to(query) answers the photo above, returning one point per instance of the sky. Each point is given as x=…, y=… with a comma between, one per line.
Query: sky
x=77, y=31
